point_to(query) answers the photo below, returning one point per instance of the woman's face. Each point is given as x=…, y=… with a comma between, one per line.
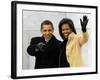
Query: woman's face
x=47, y=31
x=66, y=30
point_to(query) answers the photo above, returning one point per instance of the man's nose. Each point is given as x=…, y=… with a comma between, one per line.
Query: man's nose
x=47, y=32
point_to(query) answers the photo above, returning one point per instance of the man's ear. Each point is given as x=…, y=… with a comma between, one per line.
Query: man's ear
x=41, y=31
x=53, y=30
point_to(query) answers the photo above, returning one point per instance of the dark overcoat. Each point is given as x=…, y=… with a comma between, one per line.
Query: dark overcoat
x=49, y=57
x=63, y=62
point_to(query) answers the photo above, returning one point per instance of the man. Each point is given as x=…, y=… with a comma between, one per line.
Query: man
x=45, y=48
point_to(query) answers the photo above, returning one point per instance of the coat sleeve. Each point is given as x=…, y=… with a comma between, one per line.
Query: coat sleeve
x=32, y=49
x=83, y=38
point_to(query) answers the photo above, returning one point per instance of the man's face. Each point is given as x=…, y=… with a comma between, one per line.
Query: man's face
x=66, y=30
x=47, y=31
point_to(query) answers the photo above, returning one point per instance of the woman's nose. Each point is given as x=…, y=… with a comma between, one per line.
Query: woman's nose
x=65, y=31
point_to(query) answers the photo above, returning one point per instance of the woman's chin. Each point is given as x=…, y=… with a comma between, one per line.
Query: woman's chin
x=66, y=35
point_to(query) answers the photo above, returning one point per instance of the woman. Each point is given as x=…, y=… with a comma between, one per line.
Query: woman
x=73, y=42
x=45, y=48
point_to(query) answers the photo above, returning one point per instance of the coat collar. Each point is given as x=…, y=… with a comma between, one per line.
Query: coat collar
x=71, y=36
x=52, y=38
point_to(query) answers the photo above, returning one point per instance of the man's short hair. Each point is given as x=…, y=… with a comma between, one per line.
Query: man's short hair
x=47, y=22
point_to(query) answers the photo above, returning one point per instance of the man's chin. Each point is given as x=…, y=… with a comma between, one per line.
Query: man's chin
x=47, y=38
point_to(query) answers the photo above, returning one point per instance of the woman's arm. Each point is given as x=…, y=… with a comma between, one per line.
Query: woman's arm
x=84, y=37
